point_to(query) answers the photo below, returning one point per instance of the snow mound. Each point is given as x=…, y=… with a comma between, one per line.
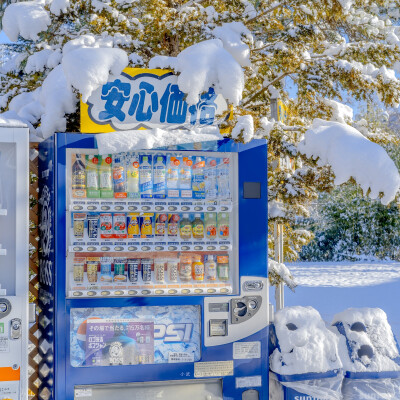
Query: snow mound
x=57, y=100
x=350, y=154
x=370, y=344
x=204, y=65
x=231, y=35
x=88, y=68
x=116, y=142
x=18, y=20
x=244, y=127
x=305, y=343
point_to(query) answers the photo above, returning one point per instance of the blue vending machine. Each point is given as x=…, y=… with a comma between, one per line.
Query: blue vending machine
x=153, y=271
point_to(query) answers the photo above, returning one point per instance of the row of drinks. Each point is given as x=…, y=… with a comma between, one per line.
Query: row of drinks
x=186, y=268
x=185, y=226
x=137, y=175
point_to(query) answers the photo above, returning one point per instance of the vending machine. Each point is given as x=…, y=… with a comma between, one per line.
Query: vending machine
x=14, y=272
x=154, y=281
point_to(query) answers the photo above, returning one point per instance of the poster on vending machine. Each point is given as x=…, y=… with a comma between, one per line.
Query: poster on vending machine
x=135, y=335
x=119, y=342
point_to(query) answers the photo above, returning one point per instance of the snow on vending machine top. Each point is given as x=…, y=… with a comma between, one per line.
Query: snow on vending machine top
x=154, y=279
x=14, y=289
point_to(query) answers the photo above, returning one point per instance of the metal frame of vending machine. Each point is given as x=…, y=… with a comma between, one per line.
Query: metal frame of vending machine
x=14, y=261
x=110, y=327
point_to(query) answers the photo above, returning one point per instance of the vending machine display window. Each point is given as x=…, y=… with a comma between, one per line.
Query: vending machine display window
x=134, y=335
x=151, y=223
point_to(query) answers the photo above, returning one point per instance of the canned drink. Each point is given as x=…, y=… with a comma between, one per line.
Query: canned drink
x=146, y=264
x=79, y=225
x=92, y=265
x=93, y=226
x=133, y=225
x=133, y=269
x=159, y=270
x=106, y=226
x=119, y=226
x=79, y=269
x=119, y=270
x=172, y=267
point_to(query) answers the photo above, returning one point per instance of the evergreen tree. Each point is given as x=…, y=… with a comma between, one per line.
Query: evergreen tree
x=350, y=227
x=328, y=48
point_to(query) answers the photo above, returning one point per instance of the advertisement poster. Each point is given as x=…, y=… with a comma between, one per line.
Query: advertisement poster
x=134, y=335
x=119, y=342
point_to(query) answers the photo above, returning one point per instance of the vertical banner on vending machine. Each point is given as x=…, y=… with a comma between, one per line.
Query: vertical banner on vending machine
x=14, y=195
x=156, y=276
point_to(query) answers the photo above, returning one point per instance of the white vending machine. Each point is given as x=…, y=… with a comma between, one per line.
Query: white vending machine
x=14, y=261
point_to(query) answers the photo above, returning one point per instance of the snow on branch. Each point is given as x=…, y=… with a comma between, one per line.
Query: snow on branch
x=27, y=19
x=351, y=155
x=244, y=128
x=231, y=35
x=203, y=65
x=278, y=272
x=88, y=68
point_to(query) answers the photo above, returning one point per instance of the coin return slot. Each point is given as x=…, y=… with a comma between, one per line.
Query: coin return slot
x=218, y=327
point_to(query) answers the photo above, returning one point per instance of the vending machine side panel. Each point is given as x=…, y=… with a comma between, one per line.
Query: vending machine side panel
x=47, y=270
x=253, y=210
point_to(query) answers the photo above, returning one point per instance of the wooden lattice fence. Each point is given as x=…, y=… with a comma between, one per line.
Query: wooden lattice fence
x=34, y=356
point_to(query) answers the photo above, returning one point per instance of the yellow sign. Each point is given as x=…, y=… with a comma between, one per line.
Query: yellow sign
x=282, y=111
x=144, y=99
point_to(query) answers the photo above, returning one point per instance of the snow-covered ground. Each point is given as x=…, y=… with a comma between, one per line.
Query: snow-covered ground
x=345, y=274
x=333, y=287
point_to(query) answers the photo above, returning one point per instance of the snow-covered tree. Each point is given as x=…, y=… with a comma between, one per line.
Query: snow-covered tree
x=245, y=49
x=350, y=227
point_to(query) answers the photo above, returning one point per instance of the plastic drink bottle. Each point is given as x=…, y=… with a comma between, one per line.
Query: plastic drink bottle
x=198, y=183
x=211, y=225
x=210, y=266
x=185, y=268
x=78, y=177
x=223, y=178
x=159, y=176
x=173, y=172
x=119, y=175
x=223, y=267
x=197, y=268
x=145, y=176
x=198, y=227
x=133, y=176
x=223, y=225
x=210, y=176
x=105, y=172
x=185, y=227
x=92, y=176
x=185, y=176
